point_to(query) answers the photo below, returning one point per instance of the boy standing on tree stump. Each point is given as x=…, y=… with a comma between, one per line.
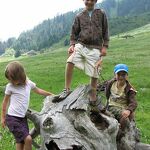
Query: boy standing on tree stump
x=88, y=43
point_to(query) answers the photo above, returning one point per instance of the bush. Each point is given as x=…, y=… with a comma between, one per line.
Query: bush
x=17, y=53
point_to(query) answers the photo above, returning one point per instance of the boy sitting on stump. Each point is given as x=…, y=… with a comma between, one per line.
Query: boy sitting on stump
x=121, y=97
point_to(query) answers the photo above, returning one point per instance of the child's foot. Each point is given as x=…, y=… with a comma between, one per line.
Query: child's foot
x=56, y=99
x=64, y=94
x=61, y=96
x=96, y=105
x=93, y=105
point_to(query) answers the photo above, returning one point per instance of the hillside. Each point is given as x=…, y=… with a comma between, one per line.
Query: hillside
x=123, y=24
x=142, y=30
x=117, y=8
x=124, y=15
x=47, y=70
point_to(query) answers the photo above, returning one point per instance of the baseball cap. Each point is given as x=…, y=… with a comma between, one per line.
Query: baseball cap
x=121, y=67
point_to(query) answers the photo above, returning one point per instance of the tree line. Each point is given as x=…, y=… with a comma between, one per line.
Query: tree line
x=123, y=15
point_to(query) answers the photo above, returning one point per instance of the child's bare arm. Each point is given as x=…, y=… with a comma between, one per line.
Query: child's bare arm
x=4, y=109
x=42, y=92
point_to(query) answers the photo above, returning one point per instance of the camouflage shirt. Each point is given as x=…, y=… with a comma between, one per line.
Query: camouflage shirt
x=91, y=31
x=129, y=92
x=117, y=96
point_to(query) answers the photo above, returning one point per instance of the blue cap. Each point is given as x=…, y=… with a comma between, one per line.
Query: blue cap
x=121, y=67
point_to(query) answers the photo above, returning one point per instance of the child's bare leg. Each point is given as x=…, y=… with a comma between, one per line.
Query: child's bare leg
x=93, y=90
x=19, y=146
x=68, y=75
x=68, y=78
x=28, y=143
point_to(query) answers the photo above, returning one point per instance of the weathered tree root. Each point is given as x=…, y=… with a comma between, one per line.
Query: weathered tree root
x=68, y=125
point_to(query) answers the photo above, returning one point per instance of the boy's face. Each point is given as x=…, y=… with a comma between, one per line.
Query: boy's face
x=89, y=4
x=121, y=76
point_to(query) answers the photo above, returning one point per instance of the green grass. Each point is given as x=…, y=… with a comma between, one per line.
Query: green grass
x=47, y=71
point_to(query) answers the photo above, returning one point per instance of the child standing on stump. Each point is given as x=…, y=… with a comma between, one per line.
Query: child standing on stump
x=89, y=41
x=17, y=96
x=121, y=97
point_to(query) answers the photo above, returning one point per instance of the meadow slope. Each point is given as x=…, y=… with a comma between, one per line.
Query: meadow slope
x=47, y=71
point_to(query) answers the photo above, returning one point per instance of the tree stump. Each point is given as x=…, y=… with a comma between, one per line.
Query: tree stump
x=68, y=125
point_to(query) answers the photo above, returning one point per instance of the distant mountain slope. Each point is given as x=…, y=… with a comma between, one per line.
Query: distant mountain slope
x=130, y=34
x=126, y=23
x=115, y=8
x=124, y=15
x=141, y=30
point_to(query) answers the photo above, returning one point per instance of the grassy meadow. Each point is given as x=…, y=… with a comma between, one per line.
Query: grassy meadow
x=47, y=71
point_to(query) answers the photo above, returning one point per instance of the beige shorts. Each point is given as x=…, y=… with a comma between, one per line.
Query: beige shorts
x=85, y=59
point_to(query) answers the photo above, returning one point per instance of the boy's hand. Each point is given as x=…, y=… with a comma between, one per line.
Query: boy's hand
x=98, y=63
x=71, y=49
x=126, y=113
x=103, y=51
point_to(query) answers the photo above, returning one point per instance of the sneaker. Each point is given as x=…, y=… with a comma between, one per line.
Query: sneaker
x=93, y=107
x=56, y=99
x=96, y=106
x=64, y=94
x=61, y=96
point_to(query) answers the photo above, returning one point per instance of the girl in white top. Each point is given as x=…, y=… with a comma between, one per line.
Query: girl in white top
x=17, y=96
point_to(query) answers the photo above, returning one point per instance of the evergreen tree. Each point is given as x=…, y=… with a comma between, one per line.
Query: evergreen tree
x=123, y=15
x=17, y=53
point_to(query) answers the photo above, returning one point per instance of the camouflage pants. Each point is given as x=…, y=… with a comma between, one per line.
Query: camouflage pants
x=117, y=112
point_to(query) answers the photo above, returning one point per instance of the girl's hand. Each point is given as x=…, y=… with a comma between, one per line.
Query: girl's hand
x=5, y=103
x=71, y=49
x=3, y=122
x=126, y=113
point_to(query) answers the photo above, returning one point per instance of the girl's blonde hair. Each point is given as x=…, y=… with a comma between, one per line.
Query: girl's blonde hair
x=15, y=72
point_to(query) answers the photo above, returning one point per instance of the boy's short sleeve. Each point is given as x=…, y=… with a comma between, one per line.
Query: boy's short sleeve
x=32, y=84
x=8, y=90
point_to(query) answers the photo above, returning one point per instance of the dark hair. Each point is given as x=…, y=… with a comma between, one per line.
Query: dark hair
x=95, y=1
x=15, y=72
